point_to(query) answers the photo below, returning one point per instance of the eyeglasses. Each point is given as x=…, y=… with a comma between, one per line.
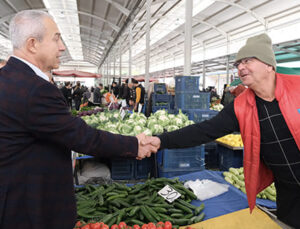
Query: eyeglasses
x=244, y=61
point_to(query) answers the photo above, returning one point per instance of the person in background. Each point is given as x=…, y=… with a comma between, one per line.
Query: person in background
x=98, y=94
x=267, y=114
x=67, y=93
x=115, y=89
x=227, y=97
x=38, y=132
x=140, y=95
x=77, y=95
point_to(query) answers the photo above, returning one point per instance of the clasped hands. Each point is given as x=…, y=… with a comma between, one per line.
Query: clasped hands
x=147, y=145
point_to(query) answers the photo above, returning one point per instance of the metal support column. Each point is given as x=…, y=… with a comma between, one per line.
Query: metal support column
x=147, y=61
x=120, y=65
x=130, y=54
x=188, y=37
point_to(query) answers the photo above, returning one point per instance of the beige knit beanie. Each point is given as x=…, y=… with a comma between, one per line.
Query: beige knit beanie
x=259, y=46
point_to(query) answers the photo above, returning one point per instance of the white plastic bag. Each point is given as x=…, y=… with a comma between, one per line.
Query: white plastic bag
x=205, y=189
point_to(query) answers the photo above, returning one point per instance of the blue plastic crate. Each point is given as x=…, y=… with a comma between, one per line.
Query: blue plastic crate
x=144, y=168
x=162, y=172
x=160, y=88
x=182, y=159
x=156, y=108
x=199, y=115
x=158, y=98
x=172, y=103
x=229, y=158
x=186, y=84
x=192, y=100
x=122, y=169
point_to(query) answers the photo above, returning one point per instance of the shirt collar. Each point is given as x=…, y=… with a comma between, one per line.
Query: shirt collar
x=34, y=68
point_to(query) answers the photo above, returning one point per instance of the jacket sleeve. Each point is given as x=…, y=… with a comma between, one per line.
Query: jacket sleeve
x=48, y=118
x=200, y=133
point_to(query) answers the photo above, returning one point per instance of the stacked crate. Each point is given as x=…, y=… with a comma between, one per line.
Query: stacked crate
x=161, y=100
x=176, y=162
x=195, y=105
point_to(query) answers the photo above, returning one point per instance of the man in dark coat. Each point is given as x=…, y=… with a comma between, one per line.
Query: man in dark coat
x=37, y=132
x=98, y=94
x=67, y=92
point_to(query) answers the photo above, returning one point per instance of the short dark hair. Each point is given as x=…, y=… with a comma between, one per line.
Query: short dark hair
x=134, y=81
x=100, y=84
x=67, y=83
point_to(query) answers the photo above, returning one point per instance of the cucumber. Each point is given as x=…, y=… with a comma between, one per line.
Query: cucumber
x=153, y=213
x=134, y=211
x=199, y=218
x=147, y=215
x=199, y=209
x=190, y=206
x=184, y=208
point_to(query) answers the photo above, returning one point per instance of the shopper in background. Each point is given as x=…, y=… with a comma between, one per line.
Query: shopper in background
x=67, y=93
x=98, y=94
x=38, y=132
x=267, y=114
x=77, y=95
x=115, y=89
x=140, y=95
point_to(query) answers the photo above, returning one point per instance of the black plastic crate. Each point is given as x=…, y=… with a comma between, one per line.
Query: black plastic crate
x=211, y=156
x=144, y=168
x=186, y=84
x=156, y=108
x=182, y=159
x=163, y=172
x=122, y=169
x=160, y=88
x=229, y=158
x=199, y=115
x=192, y=100
x=161, y=98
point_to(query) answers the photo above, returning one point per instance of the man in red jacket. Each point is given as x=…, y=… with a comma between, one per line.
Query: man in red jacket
x=267, y=114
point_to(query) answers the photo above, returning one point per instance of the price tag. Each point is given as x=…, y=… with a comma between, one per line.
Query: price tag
x=122, y=114
x=169, y=193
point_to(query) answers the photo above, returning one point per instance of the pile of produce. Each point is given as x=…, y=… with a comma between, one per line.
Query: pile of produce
x=137, y=123
x=235, y=176
x=234, y=140
x=123, y=225
x=216, y=106
x=139, y=204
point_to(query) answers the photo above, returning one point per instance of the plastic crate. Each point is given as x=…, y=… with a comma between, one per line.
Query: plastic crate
x=160, y=88
x=186, y=84
x=156, y=108
x=211, y=156
x=199, y=115
x=144, y=168
x=122, y=169
x=182, y=159
x=229, y=158
x=172, y=103
x=158, y=98
x=192, y=100
x=162, y=172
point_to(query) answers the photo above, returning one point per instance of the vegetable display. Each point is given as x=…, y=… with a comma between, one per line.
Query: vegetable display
x=139, y=204
x=136, y=123
x=235, y=176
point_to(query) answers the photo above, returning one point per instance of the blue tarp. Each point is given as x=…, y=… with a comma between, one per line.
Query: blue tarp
x=231, y=201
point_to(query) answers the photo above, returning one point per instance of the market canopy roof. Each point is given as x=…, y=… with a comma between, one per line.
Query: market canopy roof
x=74, y=73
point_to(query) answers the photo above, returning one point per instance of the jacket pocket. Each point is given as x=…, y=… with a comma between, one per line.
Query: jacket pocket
x=3, y=191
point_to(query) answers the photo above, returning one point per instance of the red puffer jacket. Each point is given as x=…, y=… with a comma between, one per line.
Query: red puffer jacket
x=287, y=93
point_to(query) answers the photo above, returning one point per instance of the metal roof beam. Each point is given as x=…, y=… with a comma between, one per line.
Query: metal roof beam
x=256, y=16
x=119, y=7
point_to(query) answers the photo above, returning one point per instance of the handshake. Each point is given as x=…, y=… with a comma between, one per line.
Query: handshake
x=147, y=145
